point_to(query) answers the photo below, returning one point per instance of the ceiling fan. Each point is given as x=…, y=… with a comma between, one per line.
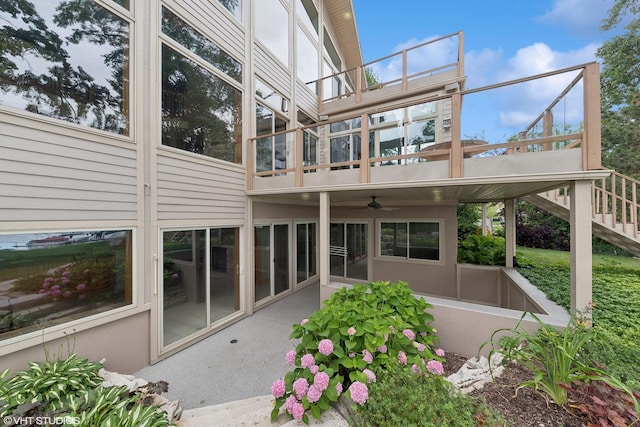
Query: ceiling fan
x=374, y=204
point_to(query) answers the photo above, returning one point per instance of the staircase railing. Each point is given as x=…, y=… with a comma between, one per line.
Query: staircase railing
x=616, y=200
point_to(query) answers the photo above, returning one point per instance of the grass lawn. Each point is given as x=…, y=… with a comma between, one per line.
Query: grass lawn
x=616, y=298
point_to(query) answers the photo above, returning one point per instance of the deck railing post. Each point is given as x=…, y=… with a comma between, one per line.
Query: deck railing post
x=364, y=150
x=405, y=72
x=455, y=153
x=591, y=144
x=298, y=155
x=250, y=164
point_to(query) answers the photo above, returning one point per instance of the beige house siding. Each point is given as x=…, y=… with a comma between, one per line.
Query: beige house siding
x=50, y=174
x=199, y=190
x=272, y=71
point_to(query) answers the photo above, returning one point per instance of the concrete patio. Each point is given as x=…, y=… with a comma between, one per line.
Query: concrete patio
x=216, y=371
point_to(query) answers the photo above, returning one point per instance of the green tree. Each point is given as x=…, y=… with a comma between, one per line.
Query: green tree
x=620, y=83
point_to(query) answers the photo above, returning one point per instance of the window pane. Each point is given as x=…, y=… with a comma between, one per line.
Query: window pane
x=271, y=97
x=272, y=28
x=308, y=14
x=52, y=278
x=225, y=282
x=67, y=60
x=393, y=239
x=424, y=240
x=200, y=113
x=307, y=61
x=332, y=52
x=184, y=288
x=233, y=6
x=188, y=37
x=123, y=3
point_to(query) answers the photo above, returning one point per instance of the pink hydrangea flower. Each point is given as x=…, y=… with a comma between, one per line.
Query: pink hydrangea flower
x=300, y=387
x=81, y=287
x=314, y=369
x=415, y=369
x=366, y=356
x=339, y=388
x=290, y=357
x=321, y=380
x=402, y=358
x=325, y=347
x=440, y=352
x=435, y=367
x=307, y=361
x=409, y=334
x=314, y=394
x=297, y=410
x=288, y=404
x=352, y=355
x=371, y=377
x=303, y=321
x=278, y=388
x=419, y=346
x=351, y=331
x=359, y=392
x=382, y=349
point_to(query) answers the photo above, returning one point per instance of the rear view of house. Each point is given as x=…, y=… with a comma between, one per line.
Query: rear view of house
x=167, y=168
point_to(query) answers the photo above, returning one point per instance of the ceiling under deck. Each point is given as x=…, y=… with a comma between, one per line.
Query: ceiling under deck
x=448, y=191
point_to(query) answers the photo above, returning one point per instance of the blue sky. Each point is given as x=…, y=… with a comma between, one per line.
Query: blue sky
x=503, y=40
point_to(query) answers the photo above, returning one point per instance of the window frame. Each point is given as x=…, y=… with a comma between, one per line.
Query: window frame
x=408, y=222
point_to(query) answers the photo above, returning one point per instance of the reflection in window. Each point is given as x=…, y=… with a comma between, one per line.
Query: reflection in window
x=271, y=152
x=272, y=28
x=188, y=37
x=411, y=240
x=67, y=60
x=307, y=60
x=271, y=97
x=53, y=278
x=123, y=3
x=200, y=112
x=233, y=6
x=308, y=15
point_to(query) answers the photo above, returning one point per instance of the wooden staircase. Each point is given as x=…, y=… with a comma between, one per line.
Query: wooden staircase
x=615, y=209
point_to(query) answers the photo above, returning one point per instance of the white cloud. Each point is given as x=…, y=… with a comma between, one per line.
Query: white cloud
x=581, y=17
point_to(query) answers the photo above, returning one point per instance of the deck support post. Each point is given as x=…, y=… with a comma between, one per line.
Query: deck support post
x=581, y=260
x=510, y=231
x=324, y=268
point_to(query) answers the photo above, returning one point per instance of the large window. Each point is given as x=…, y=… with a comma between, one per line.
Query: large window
x=201, y=113
x=411, y=240
x=52, y=278
x=272, y=27
x=68, y=60
x=272, y=151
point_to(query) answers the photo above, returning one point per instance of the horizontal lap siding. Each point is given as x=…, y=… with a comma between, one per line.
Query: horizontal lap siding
x=194, y=191
x=57, y=177
x=307, y=100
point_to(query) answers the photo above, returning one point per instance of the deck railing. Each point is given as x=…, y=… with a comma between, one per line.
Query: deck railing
x=317, y=147
x=354, y=82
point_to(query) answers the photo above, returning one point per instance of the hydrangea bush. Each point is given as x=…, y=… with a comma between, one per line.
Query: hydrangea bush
x=348, y=342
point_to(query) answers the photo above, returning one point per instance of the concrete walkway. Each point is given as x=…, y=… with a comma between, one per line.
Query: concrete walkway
x=216, y=371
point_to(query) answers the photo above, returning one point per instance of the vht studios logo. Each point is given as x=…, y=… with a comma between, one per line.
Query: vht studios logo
x=40, y=421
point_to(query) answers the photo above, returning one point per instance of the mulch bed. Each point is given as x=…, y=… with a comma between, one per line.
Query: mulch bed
x=526, y=408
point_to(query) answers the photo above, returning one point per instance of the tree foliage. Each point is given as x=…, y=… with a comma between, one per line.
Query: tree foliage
x=620, y=83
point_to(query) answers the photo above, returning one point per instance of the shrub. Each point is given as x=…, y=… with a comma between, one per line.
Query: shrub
x=402, y=398
x=482, y=250
x=358, y=332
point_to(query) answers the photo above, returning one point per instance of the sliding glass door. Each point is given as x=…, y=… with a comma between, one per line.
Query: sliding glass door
x=200, y=280
x=348, y=250
x=272, y=267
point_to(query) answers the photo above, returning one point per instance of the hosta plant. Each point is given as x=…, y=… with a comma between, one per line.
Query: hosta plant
x=348, y=342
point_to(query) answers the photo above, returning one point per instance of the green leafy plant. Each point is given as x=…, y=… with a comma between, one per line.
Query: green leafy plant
x=51, y=383
x=402, y=398
x=553, y=356
x=358, y=331
x=482, y=250
x=114, y=406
